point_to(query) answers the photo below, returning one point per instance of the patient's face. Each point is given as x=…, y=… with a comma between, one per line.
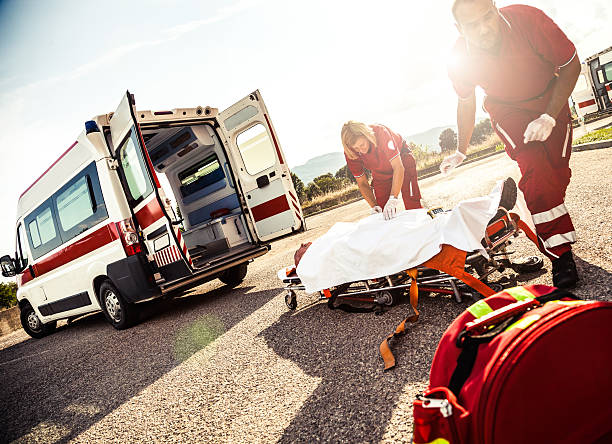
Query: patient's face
x=361, y=145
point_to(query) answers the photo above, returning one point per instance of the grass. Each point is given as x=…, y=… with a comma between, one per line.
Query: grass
x=594, y=136
x=434, y=159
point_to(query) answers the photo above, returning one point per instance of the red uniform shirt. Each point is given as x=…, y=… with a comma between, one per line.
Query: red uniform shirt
x=531, y=51
x=378, y=160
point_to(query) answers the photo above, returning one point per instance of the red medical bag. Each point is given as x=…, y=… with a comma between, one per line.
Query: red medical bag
x=527, y=365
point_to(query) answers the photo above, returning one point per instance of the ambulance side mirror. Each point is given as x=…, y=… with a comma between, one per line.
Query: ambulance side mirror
x=8, y=266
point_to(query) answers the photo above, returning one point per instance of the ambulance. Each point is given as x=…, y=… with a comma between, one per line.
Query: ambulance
x=97, y=231
x=593, y=92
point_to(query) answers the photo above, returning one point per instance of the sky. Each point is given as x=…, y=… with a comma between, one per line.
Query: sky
x=317, y=64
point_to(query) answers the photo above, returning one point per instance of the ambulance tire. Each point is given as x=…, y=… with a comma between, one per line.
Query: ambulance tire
x=118, y=312
x=235, y=275
x=32, y=324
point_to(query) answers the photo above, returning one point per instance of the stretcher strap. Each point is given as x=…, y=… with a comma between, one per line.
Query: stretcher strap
x=385, y=349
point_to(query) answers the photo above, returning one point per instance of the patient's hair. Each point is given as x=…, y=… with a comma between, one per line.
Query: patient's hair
x=351, y=131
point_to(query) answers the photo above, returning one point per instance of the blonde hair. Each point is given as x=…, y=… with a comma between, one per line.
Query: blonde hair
x=351, y=131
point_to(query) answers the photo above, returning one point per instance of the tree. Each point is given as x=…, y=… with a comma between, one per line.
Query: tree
x=481, y=131
x=8, y=294
x=312, y=190
x=345, y=174
x=327, y=182
x=299, y=187
x=448, y=140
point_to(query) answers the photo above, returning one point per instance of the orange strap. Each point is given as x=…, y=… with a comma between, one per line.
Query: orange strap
x=385, y=349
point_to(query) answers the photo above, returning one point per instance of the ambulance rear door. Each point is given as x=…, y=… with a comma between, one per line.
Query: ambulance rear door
x=261, y=169
x=583, y=95
x=146, y=198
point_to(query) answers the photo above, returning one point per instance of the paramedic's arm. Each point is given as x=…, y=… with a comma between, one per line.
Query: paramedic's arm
x=466, y=118
x=568, y=75
x=398, y=175
x=366, y=191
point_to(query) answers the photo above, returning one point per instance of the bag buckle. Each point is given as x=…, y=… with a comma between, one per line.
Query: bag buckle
x=446, y=408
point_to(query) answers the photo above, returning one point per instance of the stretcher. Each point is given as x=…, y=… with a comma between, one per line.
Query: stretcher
x=452, y=271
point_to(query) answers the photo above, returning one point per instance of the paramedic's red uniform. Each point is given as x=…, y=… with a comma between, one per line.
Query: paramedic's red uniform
x=389, y=145
x=518, y=82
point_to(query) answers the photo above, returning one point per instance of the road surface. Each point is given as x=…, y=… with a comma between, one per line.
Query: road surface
x=221, y=365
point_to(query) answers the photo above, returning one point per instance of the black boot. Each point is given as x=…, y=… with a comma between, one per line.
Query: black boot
x=564, y=271
x=507, y=199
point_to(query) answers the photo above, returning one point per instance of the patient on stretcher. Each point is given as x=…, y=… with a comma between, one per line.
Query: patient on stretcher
x=368, y=249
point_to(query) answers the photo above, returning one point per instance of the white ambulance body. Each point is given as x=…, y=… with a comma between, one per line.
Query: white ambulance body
x=96, y=231
x=593, y=91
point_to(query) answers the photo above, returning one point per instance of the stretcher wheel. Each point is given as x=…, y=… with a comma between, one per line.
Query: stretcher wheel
x=385, y=298
x=291, y=300
x=528, y=264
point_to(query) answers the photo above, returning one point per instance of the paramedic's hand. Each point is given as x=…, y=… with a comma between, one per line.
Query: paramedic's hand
x=539, y=129
x=390, y=208
x=375, y=209
x=451, y=162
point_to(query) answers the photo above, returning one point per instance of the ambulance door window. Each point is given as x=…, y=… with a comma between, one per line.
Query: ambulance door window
x=256, y=149
x=42, y=230
x=134, y=170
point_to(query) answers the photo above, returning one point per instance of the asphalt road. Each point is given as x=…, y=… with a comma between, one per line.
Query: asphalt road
x=221, y=365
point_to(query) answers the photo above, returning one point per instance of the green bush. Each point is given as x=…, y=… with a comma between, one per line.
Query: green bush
x=8, y=294
x=594, y=136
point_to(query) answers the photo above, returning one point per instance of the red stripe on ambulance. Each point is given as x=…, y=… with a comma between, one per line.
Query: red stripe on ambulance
x=149, y=214
x=270, y=208
x=587, y=103
x=99, y=238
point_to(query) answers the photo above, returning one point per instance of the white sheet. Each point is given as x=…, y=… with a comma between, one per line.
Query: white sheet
x=373, y=247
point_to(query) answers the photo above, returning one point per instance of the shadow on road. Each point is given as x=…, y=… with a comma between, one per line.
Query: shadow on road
x=59, y=386
x=355, y=399
x=595, y=282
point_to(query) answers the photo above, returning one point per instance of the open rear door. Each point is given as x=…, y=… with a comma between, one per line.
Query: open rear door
x=145, y=196
x=262, y=172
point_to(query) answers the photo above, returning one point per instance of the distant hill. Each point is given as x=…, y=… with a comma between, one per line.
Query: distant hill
x=326, y=163
x=430, y=138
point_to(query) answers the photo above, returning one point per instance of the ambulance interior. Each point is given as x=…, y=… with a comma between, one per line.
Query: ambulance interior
x=195, y=165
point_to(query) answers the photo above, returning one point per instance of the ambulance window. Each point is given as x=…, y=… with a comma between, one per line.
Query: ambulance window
x=79, y=203
x=74, y=205
x=240, y=117
x=608, y=70
x=135, y=170
x=600, y=76
x=42, y=228
x=256, y=149
x=201, y=175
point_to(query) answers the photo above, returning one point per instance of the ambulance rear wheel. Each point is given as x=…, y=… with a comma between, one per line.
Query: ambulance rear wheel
x=32, y=324
x=235, y=275
x=117, y=310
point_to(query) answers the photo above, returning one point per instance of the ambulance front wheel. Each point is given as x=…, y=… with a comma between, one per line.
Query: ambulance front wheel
x=117, y=311
x=235, y=275
x=32, y=324
x=291, y=300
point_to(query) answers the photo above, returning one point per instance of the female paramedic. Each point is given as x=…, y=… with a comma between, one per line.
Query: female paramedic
x=393, y=168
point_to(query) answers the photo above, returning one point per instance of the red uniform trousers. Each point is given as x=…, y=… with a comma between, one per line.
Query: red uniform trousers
x=411, y=194
x=545, y=175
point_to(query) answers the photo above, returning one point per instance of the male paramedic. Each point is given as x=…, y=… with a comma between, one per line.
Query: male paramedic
x=393, y=168
x=527, y=68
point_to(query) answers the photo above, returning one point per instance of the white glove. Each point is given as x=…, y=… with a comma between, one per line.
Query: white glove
x=539, y=129
x=390, y=208
x=375, y=209
x=451, y=162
